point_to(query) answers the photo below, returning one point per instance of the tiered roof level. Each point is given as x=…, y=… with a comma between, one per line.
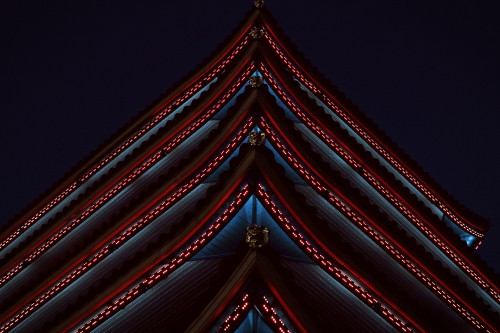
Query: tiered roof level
x=253, y=196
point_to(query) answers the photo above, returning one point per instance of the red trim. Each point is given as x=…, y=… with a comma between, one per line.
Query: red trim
x=358, y=211
x=366, y=129
x=230, y=149
x=274, y=319
x=285, y=307
x=129, y=221
x=270, y=207
x=396, y=194
x=9, y=272
x=152, y=279
x=240, y=39
x=236, y=316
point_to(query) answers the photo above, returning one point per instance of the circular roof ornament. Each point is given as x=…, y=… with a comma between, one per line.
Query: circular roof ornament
x=255, y=81
x=258, y=3
x=257, y=236
x=256, y=32
x=256, y=138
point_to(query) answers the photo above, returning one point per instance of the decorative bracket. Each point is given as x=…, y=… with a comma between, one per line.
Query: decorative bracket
x=255, y=81
x=257, y=138
x=256, y=32
x=257, y=236
x=258, y=3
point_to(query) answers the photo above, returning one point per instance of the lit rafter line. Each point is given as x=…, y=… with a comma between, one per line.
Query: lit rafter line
x=393, y=316
x=153, y=279
x=390, y=157
x=24, y=261
x=354, y=217
x=120, y=239
x=268, y=312
x=273, y=318
x=161, y=113
x=381, y=188
x=234, y=319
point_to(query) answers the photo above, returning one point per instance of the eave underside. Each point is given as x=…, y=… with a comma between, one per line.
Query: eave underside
x=186, y=174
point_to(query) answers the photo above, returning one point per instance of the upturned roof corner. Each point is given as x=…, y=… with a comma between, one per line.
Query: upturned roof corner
x=251, y=193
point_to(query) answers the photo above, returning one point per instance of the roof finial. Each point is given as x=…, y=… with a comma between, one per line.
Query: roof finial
x=258, y=3
x=257, y=236
x=256, y=33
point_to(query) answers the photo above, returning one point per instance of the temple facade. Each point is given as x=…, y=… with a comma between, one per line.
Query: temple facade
x=254, y=197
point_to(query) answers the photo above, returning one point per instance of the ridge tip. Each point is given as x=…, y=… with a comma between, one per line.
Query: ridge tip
x=258, y=3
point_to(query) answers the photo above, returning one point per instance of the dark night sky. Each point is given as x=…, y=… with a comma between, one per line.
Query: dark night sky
x=428, y=72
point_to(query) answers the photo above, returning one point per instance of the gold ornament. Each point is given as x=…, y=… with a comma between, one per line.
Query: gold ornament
x=258, y=3
x=256, y=32
x=255, y=81
x=257, y=138
x=257, y=236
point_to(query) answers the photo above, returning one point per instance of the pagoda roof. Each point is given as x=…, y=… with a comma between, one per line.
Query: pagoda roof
x=306, y=67
x=340, y=97
x=255, y=119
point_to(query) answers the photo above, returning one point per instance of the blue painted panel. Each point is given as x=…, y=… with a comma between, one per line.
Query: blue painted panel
x=253, y=323
x=116, y=259
x=161, y=308
x=233, y=234
x=103, y=171
x=223, y=112
x=289, y=172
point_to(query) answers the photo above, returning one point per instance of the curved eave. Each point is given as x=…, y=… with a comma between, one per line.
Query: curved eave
x=180, y=240
x=361, y=159
x=174, y=244
x=175, y=124
x=326, y=87
x=380, y=220
x=315, y=228
x=173, y=133
x=196, y=120
x=437, y=226
x=187, y=174
x=252, y=263
x=291, y=201
x=318, y=181
x=256, y=103
x=128, y=130
x=178, y=254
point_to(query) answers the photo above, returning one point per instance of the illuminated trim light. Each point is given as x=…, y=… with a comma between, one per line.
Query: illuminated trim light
x=267, y=311
x=364, y=226
x=133, y=175
x=369, y=139
x=391, y=316
x=164, y=111
x=120, y=239
x=473, y=273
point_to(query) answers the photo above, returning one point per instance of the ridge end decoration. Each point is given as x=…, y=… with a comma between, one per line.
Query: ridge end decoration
x=258, y=3
x=255, y=81
x=257, y=32
x=257, y=236
x=256, y=138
